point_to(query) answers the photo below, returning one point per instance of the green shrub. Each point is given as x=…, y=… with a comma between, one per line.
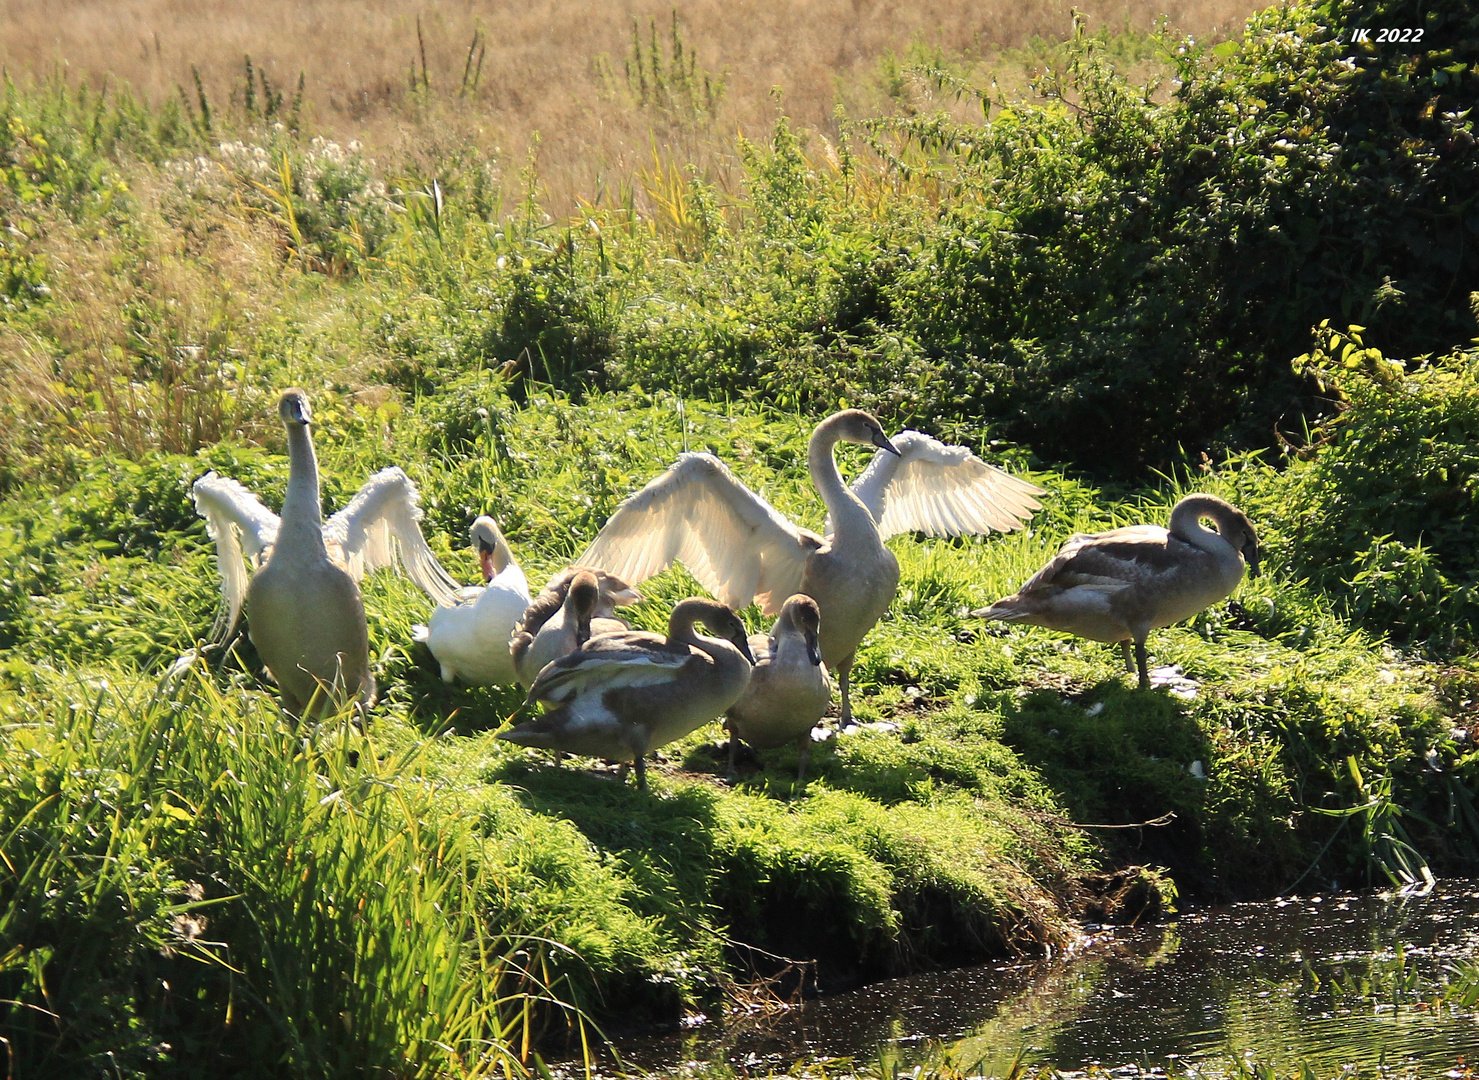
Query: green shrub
x=1380, y=510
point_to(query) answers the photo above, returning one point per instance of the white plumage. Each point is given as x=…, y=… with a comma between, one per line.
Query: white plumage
x=379, y=528
x=742, y=549
x=734, y=542
x=470, y=639
x=941, y=490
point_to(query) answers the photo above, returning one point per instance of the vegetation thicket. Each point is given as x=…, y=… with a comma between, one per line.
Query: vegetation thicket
x=1097, y=279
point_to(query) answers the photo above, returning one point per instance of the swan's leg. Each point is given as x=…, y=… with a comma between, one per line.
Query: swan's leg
x=844, y=676
x=290, y=704
x=1125, y=652
x=733, y=738
x=1143, y=661
x=803, y=744
x=641, y=765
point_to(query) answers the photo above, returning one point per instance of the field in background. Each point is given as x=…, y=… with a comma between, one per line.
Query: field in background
x=555, y=67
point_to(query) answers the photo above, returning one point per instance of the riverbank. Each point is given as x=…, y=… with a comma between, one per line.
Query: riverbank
x=190, y=881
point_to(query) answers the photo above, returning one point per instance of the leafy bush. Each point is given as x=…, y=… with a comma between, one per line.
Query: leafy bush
x=1381, y=508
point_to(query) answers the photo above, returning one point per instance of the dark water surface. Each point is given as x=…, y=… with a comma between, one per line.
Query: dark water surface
x=1328, y=980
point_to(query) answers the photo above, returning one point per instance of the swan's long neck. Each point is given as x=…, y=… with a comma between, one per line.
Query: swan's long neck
x=680, y=623
x=503, y=555
x=850, y=518
x=301, y=515
x=681, y=631
x=1186, y=524
x=500, y=558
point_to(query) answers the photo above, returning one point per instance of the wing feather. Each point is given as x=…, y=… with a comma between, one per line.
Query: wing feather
x=629, y=662
x=381, y=528
x=735, y=543
x=941, y=490
x=242, y=528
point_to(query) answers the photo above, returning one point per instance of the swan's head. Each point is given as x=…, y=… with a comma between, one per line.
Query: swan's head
x=806, y=617
x=1238, y=531
x=584, y=592
x=721, y=621
x=582, y=599
x=615, y=593
x=854, y=425
x=293, y=408
x=492, y=550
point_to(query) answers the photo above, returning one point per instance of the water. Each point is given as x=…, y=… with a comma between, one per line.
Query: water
x=1331, y=980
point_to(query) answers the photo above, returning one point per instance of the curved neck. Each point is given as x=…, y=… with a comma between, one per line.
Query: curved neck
x=1186, y=522
x=502, y=553
x=848, y=514
x=301, y=511
x=680, y=622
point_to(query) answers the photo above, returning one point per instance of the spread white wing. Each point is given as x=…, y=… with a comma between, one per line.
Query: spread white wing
x=242, y=528
x=381, y=527
x=735, y=543
x=941, y=490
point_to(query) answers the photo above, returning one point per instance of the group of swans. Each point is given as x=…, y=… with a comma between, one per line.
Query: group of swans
x=618, y=693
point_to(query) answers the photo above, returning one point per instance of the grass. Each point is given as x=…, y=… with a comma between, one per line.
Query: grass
x=191, y=882
x=397, y=76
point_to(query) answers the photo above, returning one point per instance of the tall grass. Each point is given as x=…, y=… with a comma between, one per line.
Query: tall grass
x=539, y=68
x=181, y=865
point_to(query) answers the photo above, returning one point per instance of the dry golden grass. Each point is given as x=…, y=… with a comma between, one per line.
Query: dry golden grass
x=541, y=68
x=144, y=343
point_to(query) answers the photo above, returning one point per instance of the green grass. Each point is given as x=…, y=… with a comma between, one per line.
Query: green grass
x=189, y=881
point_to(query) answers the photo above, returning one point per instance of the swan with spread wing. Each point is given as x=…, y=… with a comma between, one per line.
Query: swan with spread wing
x=741, y=548
x=303, y=600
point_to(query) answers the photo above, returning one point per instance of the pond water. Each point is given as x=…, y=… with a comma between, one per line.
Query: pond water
x=1327, y=980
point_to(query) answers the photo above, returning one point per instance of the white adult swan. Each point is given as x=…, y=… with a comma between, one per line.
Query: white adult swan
x=1122, y=584
x=789, y=689
x=307, y=619
x=621, y=696
x=470, y=640
x=740, y=548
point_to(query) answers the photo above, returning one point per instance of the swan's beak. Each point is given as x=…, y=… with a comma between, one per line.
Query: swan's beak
x=1252, y=558
x=485, y=559
x=742, y=643
x=813, y=650
x=881, y=441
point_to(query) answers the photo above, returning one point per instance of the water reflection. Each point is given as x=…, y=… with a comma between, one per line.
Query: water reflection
x=1327, y=980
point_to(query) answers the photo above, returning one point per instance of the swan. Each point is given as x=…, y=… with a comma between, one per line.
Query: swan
x=1122, y=584
x=562, y=617
x=307, y=618
x=740, y=548
x=620, y=696
x=789, y=689
x=470, y=639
